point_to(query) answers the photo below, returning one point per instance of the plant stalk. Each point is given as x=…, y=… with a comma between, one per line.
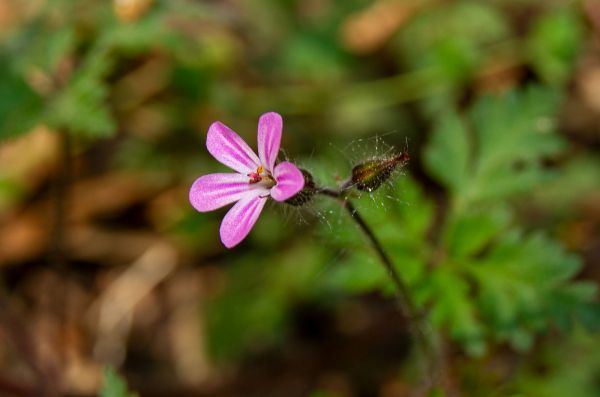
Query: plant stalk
x=405, y=303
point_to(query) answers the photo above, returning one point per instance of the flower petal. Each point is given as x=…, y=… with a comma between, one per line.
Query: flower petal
x=228, y=148
x=240, y=219
x=270, y=126
x=213, y=191
x=289, y=181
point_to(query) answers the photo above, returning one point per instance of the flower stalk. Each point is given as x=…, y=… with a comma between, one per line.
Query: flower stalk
x=404, y=300
x=406, y=304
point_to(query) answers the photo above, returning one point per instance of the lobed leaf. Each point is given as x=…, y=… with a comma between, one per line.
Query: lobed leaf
x=448, y=154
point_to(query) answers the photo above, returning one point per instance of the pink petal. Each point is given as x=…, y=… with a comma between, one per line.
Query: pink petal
x=227, y=147
x=289, y=181
x=240, y=219
x=213, y=191
x=270, y=126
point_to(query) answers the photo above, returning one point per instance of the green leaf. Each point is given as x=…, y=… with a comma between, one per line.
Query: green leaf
x=513, y=133
x=576, y=302
x=20, y=106
x=500, y=154
x=523, y=286
x=114, y=386
x=82, y=108
x=578, y=178
x=571, y=368
x=447, y=155
x=452, y=306
x=147, y=34
x=517, y=126
x=588, y=314
x=457, y=57
x=507, y=181
x=469, y=232
x=42, y=45
x=520, y=339
x=553, y=44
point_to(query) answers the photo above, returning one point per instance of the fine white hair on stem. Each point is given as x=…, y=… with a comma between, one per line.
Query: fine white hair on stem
x=365, y=148
x=356, y=152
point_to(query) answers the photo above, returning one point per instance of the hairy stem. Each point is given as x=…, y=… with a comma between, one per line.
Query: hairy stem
x=406, y=304
x=404, y=300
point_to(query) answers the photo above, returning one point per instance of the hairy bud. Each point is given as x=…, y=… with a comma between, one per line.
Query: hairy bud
x=307, y=192
x=369, y=175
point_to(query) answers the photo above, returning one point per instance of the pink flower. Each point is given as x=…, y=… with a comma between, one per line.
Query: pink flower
x=256, y=177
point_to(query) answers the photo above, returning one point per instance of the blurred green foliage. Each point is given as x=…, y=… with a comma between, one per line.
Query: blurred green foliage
x=114, y=386
x=554, y=43
x=453, y=38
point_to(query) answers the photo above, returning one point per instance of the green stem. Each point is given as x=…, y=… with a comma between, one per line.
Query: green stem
x=405, y=301
x=403, y=297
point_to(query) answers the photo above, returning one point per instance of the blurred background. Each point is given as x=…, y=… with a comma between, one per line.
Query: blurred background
x=494, y=225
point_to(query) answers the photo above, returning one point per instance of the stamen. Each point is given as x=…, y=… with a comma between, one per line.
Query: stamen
x=254, y=177
x=259, y=176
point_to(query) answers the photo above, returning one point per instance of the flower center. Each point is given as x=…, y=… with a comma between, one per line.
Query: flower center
x=262, y=177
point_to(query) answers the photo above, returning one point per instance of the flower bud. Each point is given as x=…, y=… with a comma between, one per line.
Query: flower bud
x=369, y=175
x=307, y=192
